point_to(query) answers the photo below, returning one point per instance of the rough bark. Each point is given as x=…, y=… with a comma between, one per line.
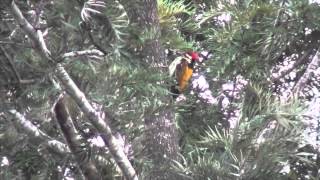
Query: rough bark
x=88, y=169
x=161, y=134
x=100, y=124
x=161, y=144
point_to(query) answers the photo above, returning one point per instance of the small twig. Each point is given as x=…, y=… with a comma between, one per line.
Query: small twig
x=93, y=52
x=13, y=33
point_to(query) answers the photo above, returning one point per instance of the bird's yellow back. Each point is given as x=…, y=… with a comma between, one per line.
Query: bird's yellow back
x=185, y=76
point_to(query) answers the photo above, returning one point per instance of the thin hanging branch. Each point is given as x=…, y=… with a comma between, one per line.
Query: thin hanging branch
x=104, y=129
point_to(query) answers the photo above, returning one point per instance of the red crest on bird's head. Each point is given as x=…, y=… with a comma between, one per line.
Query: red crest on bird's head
x=194, y=55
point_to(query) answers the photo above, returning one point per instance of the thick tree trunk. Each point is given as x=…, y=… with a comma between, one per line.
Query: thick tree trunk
x=161, y=144
x=161, y=134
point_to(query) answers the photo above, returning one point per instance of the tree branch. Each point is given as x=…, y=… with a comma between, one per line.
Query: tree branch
x=104, y=129
x=35, y=35
x=93, y=52
x=100, y=124
x=20, y=122
x=25, y=125
x=314, y=64
x=66, y=124
x=294, y=66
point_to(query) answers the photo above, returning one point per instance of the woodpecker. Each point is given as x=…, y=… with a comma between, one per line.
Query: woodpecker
x=184, y=72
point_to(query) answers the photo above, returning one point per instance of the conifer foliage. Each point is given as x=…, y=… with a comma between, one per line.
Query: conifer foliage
x=85, y=90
